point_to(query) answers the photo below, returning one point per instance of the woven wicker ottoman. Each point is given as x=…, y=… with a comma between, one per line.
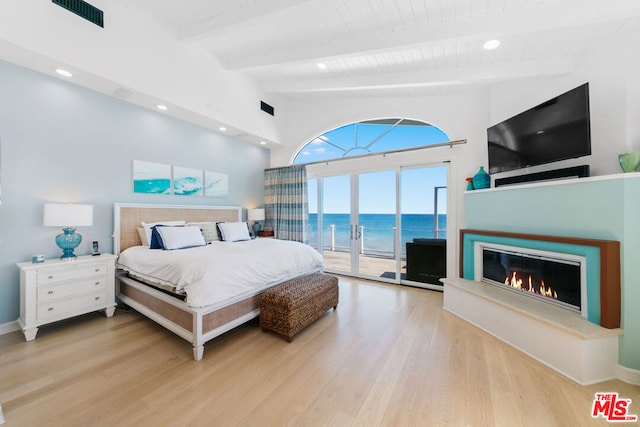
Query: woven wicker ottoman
x=294, y=305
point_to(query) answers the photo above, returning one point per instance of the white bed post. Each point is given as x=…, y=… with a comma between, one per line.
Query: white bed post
x=198, y=342
x=198, y=352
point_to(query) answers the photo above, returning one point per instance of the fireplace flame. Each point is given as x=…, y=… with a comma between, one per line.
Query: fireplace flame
x=516, y=282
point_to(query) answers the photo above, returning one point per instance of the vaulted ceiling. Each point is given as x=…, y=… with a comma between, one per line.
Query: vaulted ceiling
x=212, y=60
x=369, y=45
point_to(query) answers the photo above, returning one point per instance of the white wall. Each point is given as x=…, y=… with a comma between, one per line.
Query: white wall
x=63, y=143
x=614, y=102
x=633, y=101
x=461, y=117
x=614, y=105
x=133, y=50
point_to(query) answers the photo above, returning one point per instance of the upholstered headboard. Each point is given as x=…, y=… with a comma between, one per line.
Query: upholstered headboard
x=128, y=217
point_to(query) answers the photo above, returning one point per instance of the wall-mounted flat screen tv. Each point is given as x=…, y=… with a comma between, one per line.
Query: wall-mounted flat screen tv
x=557, y=129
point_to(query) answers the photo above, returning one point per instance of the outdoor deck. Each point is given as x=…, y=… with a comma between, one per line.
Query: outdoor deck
x=369, y=265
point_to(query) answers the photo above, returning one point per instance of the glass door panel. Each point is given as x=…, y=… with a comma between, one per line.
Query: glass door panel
x=388, y=225
x=314, y=226
x=423, y=207
x=336, y=223
x=376, y=225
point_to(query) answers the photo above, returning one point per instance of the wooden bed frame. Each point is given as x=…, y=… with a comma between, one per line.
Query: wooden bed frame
x=196, y=325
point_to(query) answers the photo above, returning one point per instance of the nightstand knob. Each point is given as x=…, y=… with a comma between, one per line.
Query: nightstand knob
x=97, y=298
x=50, y=277
x=97, y=283
x=50, y=308
x=50, y=292
x=97, y=270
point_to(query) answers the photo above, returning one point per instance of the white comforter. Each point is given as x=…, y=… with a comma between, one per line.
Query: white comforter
x=221, y=270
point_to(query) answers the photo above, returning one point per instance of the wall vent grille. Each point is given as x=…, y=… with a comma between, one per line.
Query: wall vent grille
x=83, y=9
x=267, y=108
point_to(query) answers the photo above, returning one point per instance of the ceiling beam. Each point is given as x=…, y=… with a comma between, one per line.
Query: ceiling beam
x=241, y=15
x=417, y=79
x=541, y=17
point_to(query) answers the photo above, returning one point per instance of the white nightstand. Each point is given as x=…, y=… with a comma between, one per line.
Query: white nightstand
x=58, y=289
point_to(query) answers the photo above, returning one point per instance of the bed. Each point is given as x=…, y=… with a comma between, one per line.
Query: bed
x=198, y=319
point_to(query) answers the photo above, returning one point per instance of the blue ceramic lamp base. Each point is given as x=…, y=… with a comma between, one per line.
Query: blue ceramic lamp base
x=256, y=228
x=68, y=241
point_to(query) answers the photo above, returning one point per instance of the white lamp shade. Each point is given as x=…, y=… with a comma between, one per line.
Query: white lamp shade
x=67, y=215
x=255, y=214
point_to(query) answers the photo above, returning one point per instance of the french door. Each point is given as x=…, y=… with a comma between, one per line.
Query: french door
x=362, y=222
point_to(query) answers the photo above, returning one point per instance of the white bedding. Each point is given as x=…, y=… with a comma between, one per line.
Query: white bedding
x=222, y=270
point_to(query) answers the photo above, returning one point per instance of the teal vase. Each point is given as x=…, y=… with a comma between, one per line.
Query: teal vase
x=629, y=162
x=481, y=179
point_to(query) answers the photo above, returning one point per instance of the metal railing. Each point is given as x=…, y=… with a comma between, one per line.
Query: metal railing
x=332, y=233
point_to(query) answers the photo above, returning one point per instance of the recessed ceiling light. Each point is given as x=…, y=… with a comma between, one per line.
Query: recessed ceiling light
x=322, y=65
x=161, y=107
x=64, y=73
x=222, y=128
x=491, y=44
x=263, y=143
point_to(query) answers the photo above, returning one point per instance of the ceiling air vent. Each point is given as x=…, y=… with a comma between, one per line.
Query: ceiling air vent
x=83, y=9
x=266, y=108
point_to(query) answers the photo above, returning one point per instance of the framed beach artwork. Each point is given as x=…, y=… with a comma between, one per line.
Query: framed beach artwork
x=154, y=178
x=216, y=184
x=187, y=182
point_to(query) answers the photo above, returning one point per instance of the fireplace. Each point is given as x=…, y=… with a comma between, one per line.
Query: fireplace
x=576, y=333
x=555, y=278
x=599, y=303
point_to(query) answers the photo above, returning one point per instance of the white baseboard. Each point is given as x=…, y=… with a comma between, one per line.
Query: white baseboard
x=628, y=375
x=7, y=328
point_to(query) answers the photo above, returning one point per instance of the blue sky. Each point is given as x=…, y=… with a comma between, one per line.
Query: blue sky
x=377, y=189
x=352, y=140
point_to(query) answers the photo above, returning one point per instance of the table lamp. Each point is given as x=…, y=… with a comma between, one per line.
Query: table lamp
x=68, y=216
x=255, y=215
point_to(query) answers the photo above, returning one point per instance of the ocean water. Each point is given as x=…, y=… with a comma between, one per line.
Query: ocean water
x=378, y=231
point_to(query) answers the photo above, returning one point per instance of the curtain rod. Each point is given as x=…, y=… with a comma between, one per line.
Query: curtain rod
x=450, y=144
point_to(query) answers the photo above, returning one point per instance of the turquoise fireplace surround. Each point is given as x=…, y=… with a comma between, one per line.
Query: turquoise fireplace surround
x=591, y=254
x=606, y=207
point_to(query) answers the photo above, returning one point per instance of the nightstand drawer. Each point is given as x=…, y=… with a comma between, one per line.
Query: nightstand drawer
x=60, y=309
x=64, y=273
x=46, y=293
x=57, y=289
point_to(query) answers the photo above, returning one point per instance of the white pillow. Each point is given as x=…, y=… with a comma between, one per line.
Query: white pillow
x=234, y=231
x=180, y=237
x=148, y=225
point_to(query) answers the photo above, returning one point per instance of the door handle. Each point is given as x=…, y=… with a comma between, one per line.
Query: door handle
x=354, y=232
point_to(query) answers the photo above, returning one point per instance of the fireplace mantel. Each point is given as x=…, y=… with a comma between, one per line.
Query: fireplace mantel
x=609, y=257
x=601, y=207
x=563, y=340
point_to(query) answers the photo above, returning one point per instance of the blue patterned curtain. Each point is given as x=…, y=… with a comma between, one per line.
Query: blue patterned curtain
x=286, y=205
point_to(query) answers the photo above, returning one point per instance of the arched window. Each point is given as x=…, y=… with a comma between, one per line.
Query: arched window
x=370, y=136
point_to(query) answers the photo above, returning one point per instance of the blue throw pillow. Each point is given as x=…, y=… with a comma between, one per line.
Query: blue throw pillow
x=156, y=239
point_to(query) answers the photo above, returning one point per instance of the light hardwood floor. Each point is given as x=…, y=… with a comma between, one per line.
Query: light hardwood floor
x=390, y=355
